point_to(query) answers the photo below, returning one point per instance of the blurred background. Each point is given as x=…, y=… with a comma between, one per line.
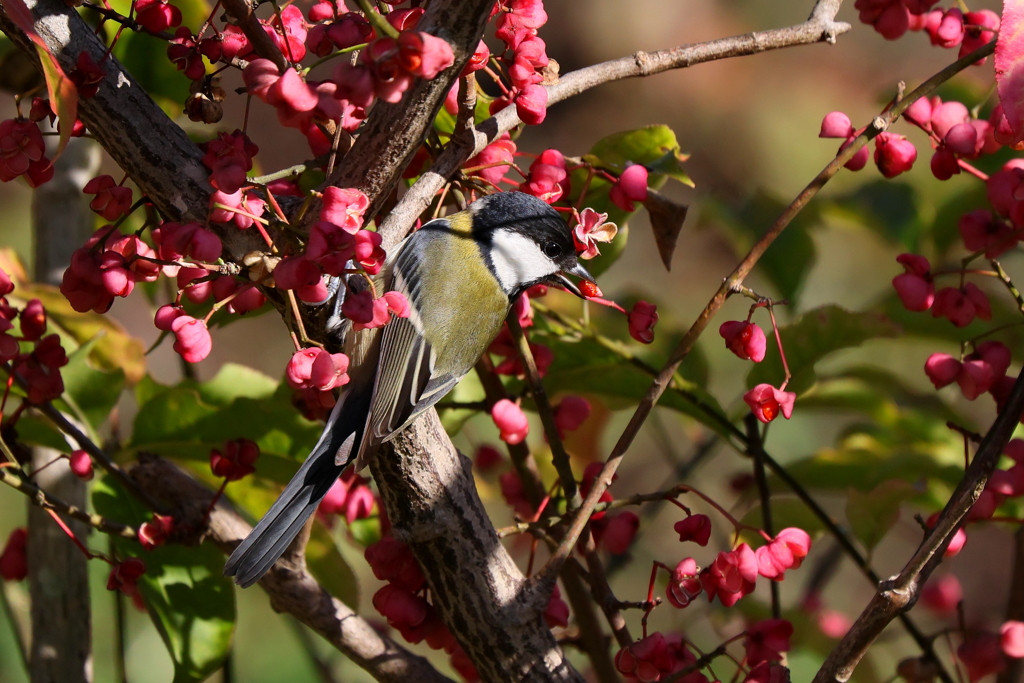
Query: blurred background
x=751, y=125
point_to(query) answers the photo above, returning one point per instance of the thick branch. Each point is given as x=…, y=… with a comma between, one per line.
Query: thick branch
x=820, y=27
x=431, y=499
x=291, y=588
x=394, y=131
x=899, y=594
x=264, y=46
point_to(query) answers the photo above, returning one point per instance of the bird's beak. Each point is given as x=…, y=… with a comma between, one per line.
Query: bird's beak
x=577, y=270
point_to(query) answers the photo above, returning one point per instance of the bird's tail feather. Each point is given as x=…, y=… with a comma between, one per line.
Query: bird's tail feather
x=282, y=523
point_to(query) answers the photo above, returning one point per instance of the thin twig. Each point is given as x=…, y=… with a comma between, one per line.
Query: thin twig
x=559, y=457
x=98, y=454
x=49, y=502
x=820, y=27
x=603, y=480
x=1014, y=292
x=756, y=450
x=899, y=594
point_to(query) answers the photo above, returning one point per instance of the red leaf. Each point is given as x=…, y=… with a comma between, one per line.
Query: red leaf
x=1010, y=66
x=62, y=92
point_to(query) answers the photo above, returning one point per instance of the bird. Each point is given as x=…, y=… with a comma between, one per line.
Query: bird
x=460, y=274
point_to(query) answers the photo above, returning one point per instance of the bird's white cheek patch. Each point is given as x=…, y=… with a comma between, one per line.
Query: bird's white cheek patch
x=518, y=259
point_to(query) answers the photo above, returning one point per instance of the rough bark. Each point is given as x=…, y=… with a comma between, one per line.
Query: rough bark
x=61, y=650
x=431, y=499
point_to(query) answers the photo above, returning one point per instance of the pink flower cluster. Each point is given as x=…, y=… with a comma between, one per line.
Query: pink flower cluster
x=317, y=373
x=953, y=133
x=733, y=574
x=516, y=25
x=976, y=373
x=236, y=460
x=124, y=576
x=655, y=657
x=350, y=496
x=107, y=266
x=892, y=18
x=946, y=28
x=548, y=178
x=916, y=289
x=39, y=368
x=401, y=601
x=23, y=152
x=894, y=154
x=154, y=533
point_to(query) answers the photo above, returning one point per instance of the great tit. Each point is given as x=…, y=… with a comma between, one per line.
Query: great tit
x=461, y=275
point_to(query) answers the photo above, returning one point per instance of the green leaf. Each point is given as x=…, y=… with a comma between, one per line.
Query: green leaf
x=93, y=392
x=177, y=422
x=863, y=469
x=587, y=367
x=329, y=568
x=653, y=146
x=871, y=515
x=189, y=600
x=812, y=337
x=37, y=431
x=366, y=531
x=235, y=381
x=891, y=209
x=789, y=259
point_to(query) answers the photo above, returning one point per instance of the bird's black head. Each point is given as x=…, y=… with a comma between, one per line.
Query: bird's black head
x=525, y=242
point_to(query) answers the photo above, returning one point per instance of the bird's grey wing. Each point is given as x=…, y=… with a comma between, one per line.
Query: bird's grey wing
x=407, y=382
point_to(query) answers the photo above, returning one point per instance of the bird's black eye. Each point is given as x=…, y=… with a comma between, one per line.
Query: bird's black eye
x=552, y=250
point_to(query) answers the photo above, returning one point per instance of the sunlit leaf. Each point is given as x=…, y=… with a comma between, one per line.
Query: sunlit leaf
x=177, y=422
x=585, y=367
x=191, y=602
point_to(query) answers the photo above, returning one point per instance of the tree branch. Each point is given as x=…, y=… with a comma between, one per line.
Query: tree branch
x=819, y=27
x=393, y=132
x=897, y=595
x=290, y=586
x=428, y=490
x=49, y=502
x=153, y=150
x=547, y=416
x=264, y=46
